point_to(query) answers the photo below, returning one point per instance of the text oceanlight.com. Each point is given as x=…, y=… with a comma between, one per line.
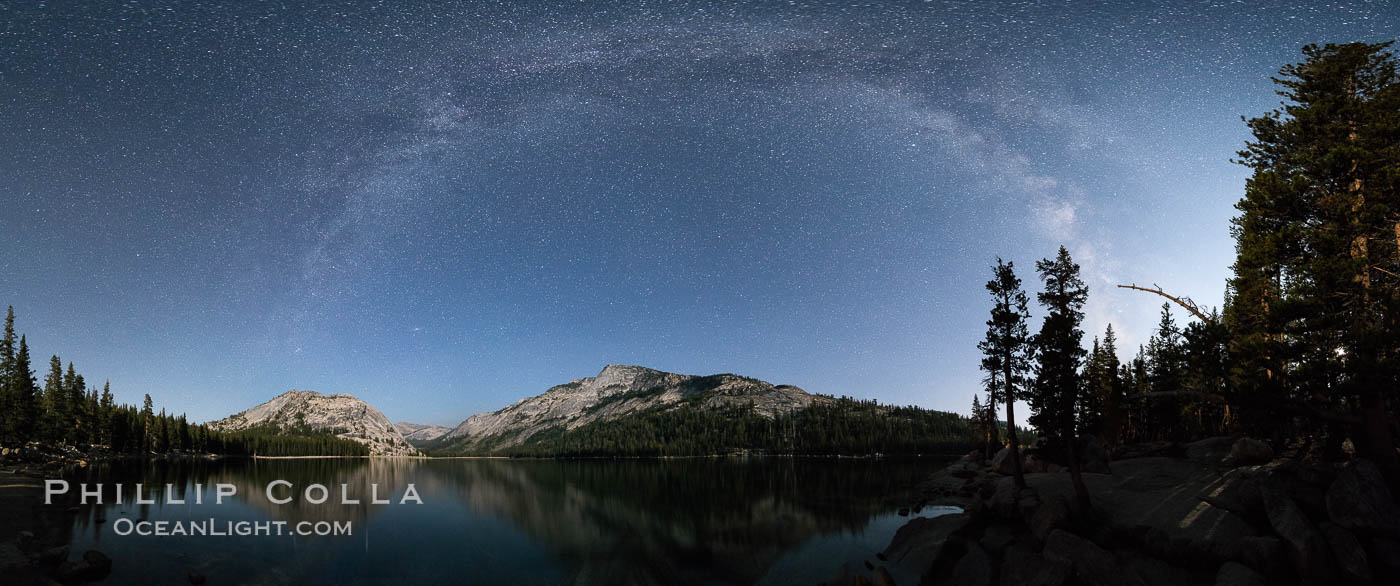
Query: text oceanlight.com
x=215, y=527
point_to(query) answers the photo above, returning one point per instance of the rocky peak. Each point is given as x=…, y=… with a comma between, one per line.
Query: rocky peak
x=344, y=415
x=619, y=374
x=618, y=390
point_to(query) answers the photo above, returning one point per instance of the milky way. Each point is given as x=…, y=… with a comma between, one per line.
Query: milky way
x=442, y=209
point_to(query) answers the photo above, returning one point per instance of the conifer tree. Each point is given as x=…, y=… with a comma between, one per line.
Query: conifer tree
x=1058, y=387
x=147, y=414
x=76, y=400
x=55, y=401
x=1090, y=408
x=24, y=393
x=1006, y=350
x=105, y=406
x=1166, y=373
x=1316, y=292
x=8, y=370
x=1111, y=389
x=979, y=425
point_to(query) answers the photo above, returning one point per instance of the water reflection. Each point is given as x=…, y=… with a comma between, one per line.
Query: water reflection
x=708, y=521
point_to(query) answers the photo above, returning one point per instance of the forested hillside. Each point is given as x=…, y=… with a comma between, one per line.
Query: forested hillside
x=841, y=426
x=66, y=411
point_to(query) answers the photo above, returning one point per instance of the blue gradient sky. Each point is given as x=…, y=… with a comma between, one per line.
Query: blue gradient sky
x=443, y=209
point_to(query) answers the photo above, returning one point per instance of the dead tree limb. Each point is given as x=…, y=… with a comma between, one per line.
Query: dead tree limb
x=1185, y=302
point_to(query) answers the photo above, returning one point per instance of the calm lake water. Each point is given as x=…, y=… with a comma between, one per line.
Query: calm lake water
x=705, y=521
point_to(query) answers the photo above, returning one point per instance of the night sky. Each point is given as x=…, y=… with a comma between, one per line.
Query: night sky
x=444, y=209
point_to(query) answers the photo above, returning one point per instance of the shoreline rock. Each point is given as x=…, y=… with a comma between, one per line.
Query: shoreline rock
x=1225, y=510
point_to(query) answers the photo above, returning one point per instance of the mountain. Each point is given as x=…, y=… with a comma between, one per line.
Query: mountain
x=617, y=392
x=345, y=416
x=419, y=432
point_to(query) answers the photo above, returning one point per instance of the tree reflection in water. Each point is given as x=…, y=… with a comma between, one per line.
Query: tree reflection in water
x=688, y=521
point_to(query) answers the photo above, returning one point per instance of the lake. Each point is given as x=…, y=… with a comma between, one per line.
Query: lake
x=686, y=521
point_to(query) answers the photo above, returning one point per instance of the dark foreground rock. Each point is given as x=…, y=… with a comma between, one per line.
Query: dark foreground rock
x=1220, y=511
x=922, y=543
x=1236, y=574
x=1359, y=501
x=1092, y=565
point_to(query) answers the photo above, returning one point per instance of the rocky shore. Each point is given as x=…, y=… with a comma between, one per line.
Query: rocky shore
x=34, y=536
x=33, y=539
x=1222, y=511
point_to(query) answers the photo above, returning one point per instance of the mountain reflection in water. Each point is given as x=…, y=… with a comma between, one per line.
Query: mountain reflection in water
x=692, y=521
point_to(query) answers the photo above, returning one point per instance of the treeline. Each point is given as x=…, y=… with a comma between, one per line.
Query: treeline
x=1307, y=346
x=66, y=411
x=842, y=426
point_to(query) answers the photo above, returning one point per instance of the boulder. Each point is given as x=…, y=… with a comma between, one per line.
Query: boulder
x=1094, y=456
x=93, y=567
x=1023, y=567
x=1159, y=573
x=1238, y=493
x=52, y=556
x=1311, y=555
x=1210, y=450
x=1027, y=503
x=1033, y=465
x=25, y=540
x=11, y=558
x=1236, y=574
x=996, y=537
x=1263, y=553
x=1052, y=514
x=965, y=469
x=1093, y=566
x=99, y=562
x=921, y=542
x=973, y=569
x=1003, y=463
x=1249, y=451
x=1351, y=558
x=1384, y=553
x=1359, y=501
x=1304, y=482
x=1143, y=450
x=1003, y=501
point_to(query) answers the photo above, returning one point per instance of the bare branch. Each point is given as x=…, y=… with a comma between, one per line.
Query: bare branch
x=1185, y=302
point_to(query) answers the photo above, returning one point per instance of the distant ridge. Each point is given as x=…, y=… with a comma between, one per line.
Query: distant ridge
x=416, y=433
x=618, y=391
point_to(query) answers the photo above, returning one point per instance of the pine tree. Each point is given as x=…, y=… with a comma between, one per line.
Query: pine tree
x=55, y=401
x=1316, y=302
x=1090, y=409
x=1167, y=362
x=74, y=392
x=1112, y=389
x=105, y=407
x=8, y=372
x=1059, y=349
x=979, y=425
x=1006, y=350
x=147, y=414
x=25, y=399
x=161, y=433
